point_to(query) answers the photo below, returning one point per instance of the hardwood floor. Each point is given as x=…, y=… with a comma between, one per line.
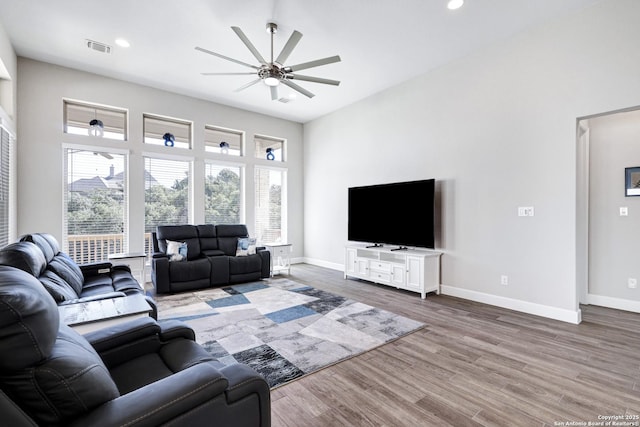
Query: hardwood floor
x=472, y=365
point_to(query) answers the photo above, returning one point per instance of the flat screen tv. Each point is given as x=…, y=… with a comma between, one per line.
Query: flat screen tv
x=400, y=213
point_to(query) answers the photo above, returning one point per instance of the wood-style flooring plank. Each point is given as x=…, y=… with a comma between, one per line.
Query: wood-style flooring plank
x=471, y=365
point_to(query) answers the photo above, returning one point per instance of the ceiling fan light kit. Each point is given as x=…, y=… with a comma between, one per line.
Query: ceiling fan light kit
x=274, y=72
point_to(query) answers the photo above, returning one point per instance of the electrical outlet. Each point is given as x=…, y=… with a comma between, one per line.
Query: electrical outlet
x=504, y=280
x=525, y=211
x=632, y=283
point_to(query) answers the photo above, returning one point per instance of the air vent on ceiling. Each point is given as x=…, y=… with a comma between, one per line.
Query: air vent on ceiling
x=100, y=47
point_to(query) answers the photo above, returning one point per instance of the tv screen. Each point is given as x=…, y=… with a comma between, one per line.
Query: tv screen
x=400, y=213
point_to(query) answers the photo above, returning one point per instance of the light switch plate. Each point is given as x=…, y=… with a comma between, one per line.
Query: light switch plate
x=624, y=211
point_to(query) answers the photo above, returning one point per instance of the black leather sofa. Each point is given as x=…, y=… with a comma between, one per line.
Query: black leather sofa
x=211, y=258
x=68, y=283
x=139, y=373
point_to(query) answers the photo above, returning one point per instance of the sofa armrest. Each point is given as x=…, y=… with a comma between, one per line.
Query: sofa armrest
x=95, y=268
x=97, y=297
x=187, y=395
x=160, y=274
x=116, y=336
x=172, y=329
x=119, y=343
x=266, y=263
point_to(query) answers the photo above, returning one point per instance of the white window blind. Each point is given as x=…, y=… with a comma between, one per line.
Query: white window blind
x=6, y=142
x=95, y=204
x=222, y=194
x=155, y=127
x=78, y=116
x=166, y=195
x=215, y=136
x=270, y=205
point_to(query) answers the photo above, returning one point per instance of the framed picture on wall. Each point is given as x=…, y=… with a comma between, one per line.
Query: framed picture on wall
x=632, y=181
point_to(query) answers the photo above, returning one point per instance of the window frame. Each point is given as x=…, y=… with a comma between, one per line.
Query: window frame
x=96, y=107
x=178, y=144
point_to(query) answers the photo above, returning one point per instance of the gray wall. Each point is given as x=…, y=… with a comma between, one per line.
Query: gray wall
x=41, y=90
x=614, y=144
x=497, y=130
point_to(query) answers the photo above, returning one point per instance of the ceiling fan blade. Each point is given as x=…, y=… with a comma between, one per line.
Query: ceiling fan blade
x=313, y=79
x=251, y=83
x=274, y=92
x=226, y=57
x=311, y=64
x=288, y=47
x=298, y=88
x=249, y=45
x=227, y=74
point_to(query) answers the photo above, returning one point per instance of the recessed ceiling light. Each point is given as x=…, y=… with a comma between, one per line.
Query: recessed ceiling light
x=455, y=4
x=122, y=43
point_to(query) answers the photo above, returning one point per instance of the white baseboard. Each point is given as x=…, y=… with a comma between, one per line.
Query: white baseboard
x=555, y=313
x=611, y=302
x=325, y=264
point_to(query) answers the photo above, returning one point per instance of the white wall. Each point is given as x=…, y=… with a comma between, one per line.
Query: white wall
x=613, y=239
x=41, y=90
x=497, y=130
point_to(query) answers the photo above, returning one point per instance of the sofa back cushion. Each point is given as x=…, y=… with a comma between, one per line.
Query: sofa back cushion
x=45, y=241
x=228, y=235
x=207, y=235
x=25, y=256
x=48, y=368
x=57, y=287
x=68, y=270
x=179, y=233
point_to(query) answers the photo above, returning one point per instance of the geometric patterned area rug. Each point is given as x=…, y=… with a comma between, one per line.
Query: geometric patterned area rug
x=281, y=328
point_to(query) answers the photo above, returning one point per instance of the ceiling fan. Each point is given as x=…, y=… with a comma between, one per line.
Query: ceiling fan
x=274, y=72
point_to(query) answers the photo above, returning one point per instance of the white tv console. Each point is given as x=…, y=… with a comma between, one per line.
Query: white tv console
x=415, y=270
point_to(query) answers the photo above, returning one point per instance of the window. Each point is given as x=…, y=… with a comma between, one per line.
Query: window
x=266, y=144
x=222, y=194
x=156, y=127
x=78, y=117
x=270, y=205
x=214, y=137
x=166, y=196
x=6, y=143
x=95, y=204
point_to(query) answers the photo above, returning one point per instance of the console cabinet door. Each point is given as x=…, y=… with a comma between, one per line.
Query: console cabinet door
x=415, y=273
x=397, y=275
x=350, y=262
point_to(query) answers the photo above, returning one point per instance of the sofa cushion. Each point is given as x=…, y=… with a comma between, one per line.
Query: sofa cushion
x=68, y=270
x=245, y=264
x=246, y=246
x=57, y=287
x=189, y=271
x=24, y=255
x=208, y=238
x=28, y=320
x=177, y=251
x=45, y=241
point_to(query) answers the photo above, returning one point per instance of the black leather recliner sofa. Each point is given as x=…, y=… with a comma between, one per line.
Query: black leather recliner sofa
x=139, y=373
x=211, y=258
x=68, y=283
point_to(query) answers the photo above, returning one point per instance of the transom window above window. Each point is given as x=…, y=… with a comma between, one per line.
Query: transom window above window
x=224, y=141
x=96, y=120
x=167, y=131
x=269, y=148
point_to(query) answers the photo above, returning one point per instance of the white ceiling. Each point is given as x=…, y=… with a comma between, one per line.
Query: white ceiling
x=381, y=42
